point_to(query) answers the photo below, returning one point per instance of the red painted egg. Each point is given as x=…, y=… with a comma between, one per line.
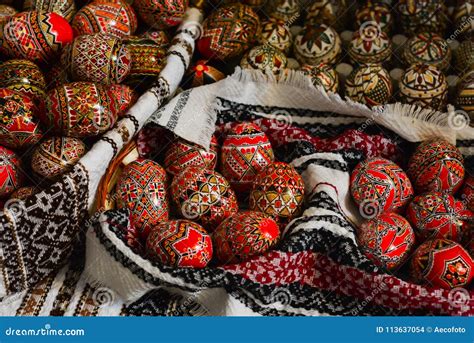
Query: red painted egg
x=18, y=126
x=24, y=193
x=97, y=58
x=142, y=190
x=80, y=109
x=36, y=36
x=387, y=240
x=379, y=185
x=65, y=8
x=436, y=165
x=115, y=19
x=125, y=97
x=278, y=191
x=182, y=154
x=10, y=175
x=442, y=263
x=435, y=215
x=246, y=151
x=228, y=31
x=24, y=77
x=56, y=155
x=203, y=195
x=180, y=243
x=467, y=193
x=243, y=235
x=161, y=14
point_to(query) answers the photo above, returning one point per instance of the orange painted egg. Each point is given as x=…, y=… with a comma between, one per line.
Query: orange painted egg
x=97, y=58
x=23, y=193
x=442, y=263
x=180, y=243
x=244, y=235
x=387, y=240
x=19, y=125
x=438, y=166
x=161, y=14
x=35, y=36
x=56, y=155
x=379, y=185
x=246, y=151
x=117, y=19
x=278, y=191
x=80, y=109
x=142, y=190
x=10, y=174
x=182, y=154
x=203, y=195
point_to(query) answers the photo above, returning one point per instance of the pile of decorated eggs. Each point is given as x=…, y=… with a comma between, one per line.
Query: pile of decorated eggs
x=435, y=220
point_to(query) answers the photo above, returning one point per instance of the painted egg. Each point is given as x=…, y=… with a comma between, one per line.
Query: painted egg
x=317, y=44
x=97, y=58
x=142, y=190
x=278, y=191
x=369, y=84
x=434, y=215
x=148, y=59
x=277, y=34
x=36, y=36
x=467, y=194
x=6, y=12
x=24, y=193
x=376, y=14
x=161, y=14
x=322, y=75
x=387, y=240
x=202, y=73
x=19, y=127
x=379, y=185
x=463, y=18
x=125, y=96
x=80, y=109
x=428, y=48
x=286, y=10
x=464, y=57
x=56, y=155
x=422, y=16
x=65, y=8
x=329, y=12
x=245, y=152
x=10, y=173
x=24, y=77
x=465, y=97
x=264, y=57
x=228, y=31
x=424, y=85
x=367, y=47
x=203, y=195
x=182, y=154
x=115, y=19
x=180, y=243
x=160, y=37
x=244, y=235
x=255, y=3
x=442, y=263
x=436, y=165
